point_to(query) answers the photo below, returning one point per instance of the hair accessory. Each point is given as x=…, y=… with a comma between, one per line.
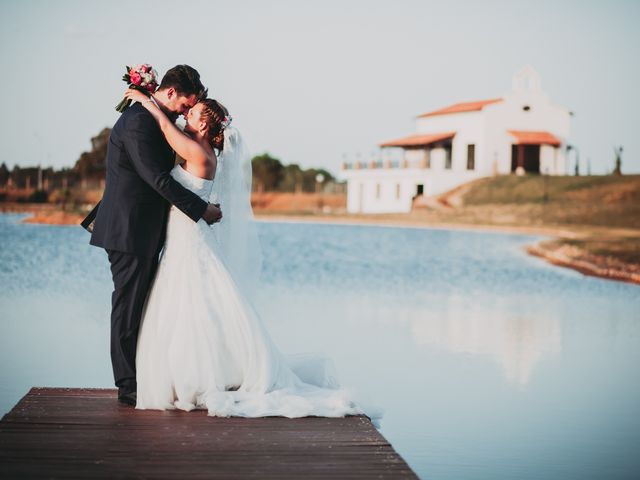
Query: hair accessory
x=226, y=121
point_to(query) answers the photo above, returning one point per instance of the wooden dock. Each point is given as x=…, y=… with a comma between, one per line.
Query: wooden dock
x=86, y=433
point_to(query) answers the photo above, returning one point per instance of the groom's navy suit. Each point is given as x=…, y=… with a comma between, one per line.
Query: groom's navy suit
x=130, y=225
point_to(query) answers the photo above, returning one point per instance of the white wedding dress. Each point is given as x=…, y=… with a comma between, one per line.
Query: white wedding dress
x=202, y=345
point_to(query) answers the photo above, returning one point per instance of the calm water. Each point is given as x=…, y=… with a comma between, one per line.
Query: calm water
x=488, y=363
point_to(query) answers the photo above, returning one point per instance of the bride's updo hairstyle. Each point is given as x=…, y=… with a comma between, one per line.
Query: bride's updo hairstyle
x=217, y=117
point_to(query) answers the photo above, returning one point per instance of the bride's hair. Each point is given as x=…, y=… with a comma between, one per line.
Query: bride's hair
x=216, y=115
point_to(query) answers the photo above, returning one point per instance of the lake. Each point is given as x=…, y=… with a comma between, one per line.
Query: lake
x=488, y=363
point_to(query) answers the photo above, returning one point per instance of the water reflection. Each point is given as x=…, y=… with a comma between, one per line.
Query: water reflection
x=517, y=342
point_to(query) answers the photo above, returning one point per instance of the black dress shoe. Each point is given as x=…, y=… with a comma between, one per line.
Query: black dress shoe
x=128, y=397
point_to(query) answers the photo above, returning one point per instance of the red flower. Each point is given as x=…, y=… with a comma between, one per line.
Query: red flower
x=151, y=87
x=136, y=79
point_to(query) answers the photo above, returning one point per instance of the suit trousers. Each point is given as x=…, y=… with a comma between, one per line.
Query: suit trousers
x=132, y=277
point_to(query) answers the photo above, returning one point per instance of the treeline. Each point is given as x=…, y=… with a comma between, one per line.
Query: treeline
x=37, y=184
x=43, y=184
x=88, y=169
x=270, y=175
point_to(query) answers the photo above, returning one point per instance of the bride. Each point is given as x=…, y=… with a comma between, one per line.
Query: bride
x=201, y=343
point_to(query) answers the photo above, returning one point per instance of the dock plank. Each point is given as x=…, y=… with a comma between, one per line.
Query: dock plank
x=80, y=433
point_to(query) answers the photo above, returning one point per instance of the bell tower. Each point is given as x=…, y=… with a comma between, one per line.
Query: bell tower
x=526, y=80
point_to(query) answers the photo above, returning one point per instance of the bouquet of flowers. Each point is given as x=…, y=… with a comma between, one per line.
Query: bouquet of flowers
x=141, y=77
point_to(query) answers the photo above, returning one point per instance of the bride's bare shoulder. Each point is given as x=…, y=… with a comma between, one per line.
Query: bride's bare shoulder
x=204, y=169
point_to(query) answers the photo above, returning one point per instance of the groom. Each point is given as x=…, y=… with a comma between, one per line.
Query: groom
x=130, y=220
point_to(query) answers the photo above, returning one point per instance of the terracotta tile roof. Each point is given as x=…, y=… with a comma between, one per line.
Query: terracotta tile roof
x=418, y=140
x=535, y=138
x=462, y=107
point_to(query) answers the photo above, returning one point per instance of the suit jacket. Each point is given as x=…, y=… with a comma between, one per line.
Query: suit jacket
x=132, y=215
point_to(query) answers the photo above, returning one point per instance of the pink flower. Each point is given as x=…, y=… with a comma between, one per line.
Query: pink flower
x=145, y=67
x=136, y=79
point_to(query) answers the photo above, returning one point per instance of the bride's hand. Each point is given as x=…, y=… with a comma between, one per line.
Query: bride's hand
x=135, y=95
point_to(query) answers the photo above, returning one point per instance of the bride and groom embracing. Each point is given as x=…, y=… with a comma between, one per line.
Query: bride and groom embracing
x=184, y=333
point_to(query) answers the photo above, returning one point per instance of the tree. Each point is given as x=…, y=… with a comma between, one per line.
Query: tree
x=618, y=153
x=270, y=175
x=309, y=179
x=267, y=172
x=92, y=164
x=4, y=174
x=291, y=179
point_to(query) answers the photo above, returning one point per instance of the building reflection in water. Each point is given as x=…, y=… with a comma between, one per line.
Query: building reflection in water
x=515, y=339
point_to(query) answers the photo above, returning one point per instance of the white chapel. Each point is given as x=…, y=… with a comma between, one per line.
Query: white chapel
x=521, y=132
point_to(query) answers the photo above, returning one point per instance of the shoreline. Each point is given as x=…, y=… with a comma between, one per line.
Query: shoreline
x=556, y=250
x=412, y=223
x=43, y=213
x=581, y=264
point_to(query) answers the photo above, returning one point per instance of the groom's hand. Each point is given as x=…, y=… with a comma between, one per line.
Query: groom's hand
x=212, y=214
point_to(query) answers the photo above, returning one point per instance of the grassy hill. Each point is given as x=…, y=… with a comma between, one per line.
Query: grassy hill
x=606, y=201
x=599, y=215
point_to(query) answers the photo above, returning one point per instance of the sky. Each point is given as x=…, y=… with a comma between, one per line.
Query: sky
x=317, y=82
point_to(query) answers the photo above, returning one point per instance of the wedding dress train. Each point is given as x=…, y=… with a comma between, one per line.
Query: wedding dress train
x=202, y=345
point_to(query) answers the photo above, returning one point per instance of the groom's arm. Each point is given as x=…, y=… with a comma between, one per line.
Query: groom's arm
x=144, y=147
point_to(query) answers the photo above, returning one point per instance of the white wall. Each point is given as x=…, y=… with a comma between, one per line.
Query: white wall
x=470, y=129
x=362, y=187
x=549, y=159
x=509, y=115
x=414, y=156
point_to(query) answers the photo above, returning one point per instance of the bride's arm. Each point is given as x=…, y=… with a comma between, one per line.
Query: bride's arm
x=184, y=146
